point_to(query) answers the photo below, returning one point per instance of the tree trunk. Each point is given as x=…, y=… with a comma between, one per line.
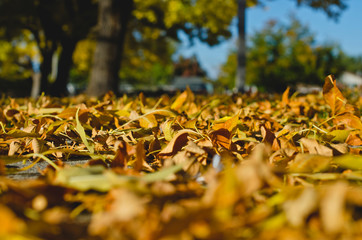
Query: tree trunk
x=45, y=70
x=241, y=46
x=59, y=87
x=113, y=17
x=35, y=87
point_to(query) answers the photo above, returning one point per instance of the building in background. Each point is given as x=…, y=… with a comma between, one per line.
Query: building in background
x=351, y=79
x=188, y=72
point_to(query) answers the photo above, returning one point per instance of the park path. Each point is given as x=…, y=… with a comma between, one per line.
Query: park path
x=35, y=171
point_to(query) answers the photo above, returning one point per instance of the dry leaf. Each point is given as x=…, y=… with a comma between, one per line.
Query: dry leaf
x=349, y=120
x=309, y=163
x=285, y=97
x=333, y=208
x=315, y=148
x=180, y=100
x=334, y=97
x=177, y=142
x=298, y=209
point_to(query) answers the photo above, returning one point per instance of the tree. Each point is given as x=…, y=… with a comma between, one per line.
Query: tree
x=284, y=55
x=241, y=50
x=147, y=61
x=158, y=19
x=113, y=17
x=332, y=8
x=57, y=26
x=57, y=30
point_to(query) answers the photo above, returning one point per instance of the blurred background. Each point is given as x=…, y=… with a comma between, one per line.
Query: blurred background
x=66, y=47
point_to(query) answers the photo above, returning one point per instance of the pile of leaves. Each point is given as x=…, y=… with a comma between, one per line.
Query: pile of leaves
x=186, y=167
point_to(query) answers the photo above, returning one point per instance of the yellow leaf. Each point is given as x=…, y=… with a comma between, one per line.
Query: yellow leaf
x=167, y=129
x=339, y=135
x=353, y=162
x=9, y=223
x=79, y=128
x=180, y=100
x=148, y=121
x=229, y=124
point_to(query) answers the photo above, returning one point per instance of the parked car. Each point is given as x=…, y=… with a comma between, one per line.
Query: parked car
x=196, y=84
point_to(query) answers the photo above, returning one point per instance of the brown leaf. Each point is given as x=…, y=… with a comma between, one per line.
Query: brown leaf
x=333, y=208
x=11, y=112
x=14, y=148
x=285, y=97
x=176, y=144
x=333, y=96
x=298, y=209
x=154, y=145
x=121, y=157
x=2, y=168
x=354, y=142
x=268, y=135
x=315, y=148
x=221, y=138
x=124, y=206
x=349, y=120
x=140, y=156
x=193, y=148
x=309, y=163
x=70, y=113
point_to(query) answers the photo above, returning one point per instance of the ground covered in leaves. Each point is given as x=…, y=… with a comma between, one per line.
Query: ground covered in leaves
x=183, y=167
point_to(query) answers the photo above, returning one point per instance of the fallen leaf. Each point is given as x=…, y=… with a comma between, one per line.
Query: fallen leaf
x=315, y=148
x=140, y=156
x=333, y=96
x=333, y=208
x=285, y=97
x=353, y=162
x=177, y=142
x=82, y=134
x=309, y=163
x=179, y=101
x=349, y=120
x=148, y=121
x=229, y=123
x=299, y=208
x=221, y=138
x=9, y=222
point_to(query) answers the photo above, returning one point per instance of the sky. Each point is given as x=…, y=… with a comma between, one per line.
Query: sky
x=347, y=31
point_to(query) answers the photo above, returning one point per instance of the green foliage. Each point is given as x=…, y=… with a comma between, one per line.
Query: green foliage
x=353, y=64
x=147, y=55
x=202, y=19
x=15, y=56
x=144, y=61
x=227, y=73
x=284, y=55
